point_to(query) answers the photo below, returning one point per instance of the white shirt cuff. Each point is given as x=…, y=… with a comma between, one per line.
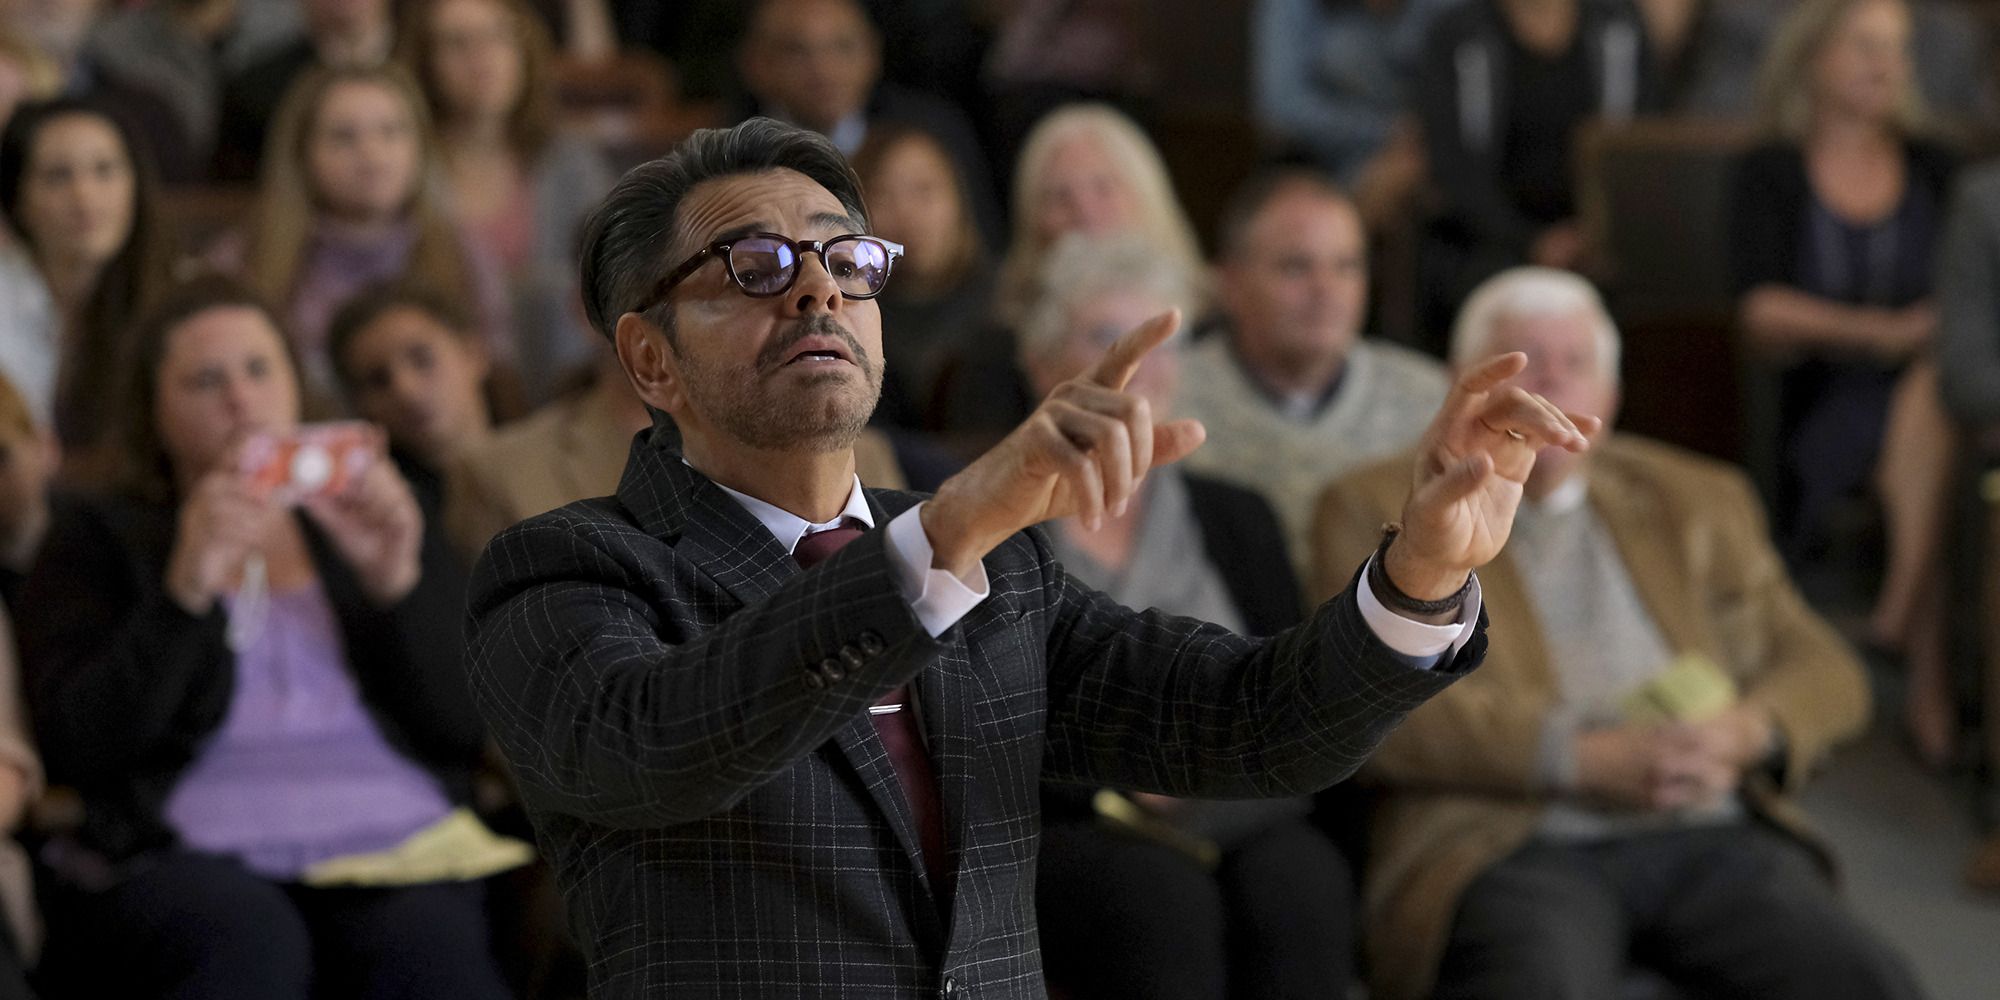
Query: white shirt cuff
x=1415, y=639
x=938, y=598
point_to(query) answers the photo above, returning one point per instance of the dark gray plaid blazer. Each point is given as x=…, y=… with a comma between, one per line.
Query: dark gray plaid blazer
x=685, y=713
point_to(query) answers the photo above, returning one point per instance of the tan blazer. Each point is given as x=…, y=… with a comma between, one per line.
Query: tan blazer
x=17, y=751
x=570, y=450
x=1460, y=775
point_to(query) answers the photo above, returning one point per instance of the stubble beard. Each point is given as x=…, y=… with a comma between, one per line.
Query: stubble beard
x=816, y=420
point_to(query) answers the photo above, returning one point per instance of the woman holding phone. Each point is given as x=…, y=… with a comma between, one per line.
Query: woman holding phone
x=240, y=690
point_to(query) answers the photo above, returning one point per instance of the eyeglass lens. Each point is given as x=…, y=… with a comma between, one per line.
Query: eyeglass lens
x=765, y=266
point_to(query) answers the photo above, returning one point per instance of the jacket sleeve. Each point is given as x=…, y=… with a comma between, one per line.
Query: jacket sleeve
x=1156, y=703
x=610, y=712
x=118, y=677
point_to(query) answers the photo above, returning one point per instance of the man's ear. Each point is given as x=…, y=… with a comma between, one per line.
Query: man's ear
x=649, y=362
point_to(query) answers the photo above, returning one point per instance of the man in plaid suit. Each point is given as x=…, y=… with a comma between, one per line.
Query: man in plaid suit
x=765, y=768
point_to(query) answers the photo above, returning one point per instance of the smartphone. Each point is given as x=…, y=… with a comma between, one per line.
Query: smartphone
x=309, y=460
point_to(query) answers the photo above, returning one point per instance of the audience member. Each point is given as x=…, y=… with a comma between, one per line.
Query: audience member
x=26, y=75
x=1613, y=788
x=1336, y=80
x=519, y=184
x=29, y=458
x=1086, y=168
x=1506, y=83
x=1835, y=224
x=1968, y=350
x=340, y=34
x=79, y=195
x=28, y=455
x=173, y=48
x=1709, y=52
x=239, y=692
x=411, y=361
x=1291, y=393
x=1048, y=53
x=818, y=64
x=349, y=198
x=1146, y=896
x=942, y=297
x=61, y=30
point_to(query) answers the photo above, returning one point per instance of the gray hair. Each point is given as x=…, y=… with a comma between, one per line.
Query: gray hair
x=627, y=239
x=1082, y=268
x=1537, y=292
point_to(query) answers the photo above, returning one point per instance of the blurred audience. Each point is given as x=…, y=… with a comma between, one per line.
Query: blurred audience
x=61, y=30
x=818, y=64
x=350, y=198
x=28, y=455
x=89, y=254
x=25, y=75
x=1048, y=53
x=411, y=362
x=518, y=184
x=1505, y=86
x=1085, y=168
x=1291, y=393
x=29, y=458
x=1968, y=347
x=1612, y=788
x=239, y=691
x=1709, y=52
x=340, y=34
x=1836, y=220
x=942, y=297
x=173, y=48
x=1336, y=80
x=20, y=784
x=1145, y=896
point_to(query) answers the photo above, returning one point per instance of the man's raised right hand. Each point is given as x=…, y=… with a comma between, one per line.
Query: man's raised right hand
x=1083, y=453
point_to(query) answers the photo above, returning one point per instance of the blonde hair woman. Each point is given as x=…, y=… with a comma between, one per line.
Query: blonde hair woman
x=1088, y=168
x=1836, y=219
x=349, y=197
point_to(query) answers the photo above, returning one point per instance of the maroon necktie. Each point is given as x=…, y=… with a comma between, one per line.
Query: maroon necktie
x=898, y=732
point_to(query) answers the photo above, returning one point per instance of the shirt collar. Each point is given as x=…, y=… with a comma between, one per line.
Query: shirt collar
x=788, y=527
x=1565, y=498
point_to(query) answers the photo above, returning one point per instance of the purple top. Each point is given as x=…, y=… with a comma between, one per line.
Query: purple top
x=298, y=772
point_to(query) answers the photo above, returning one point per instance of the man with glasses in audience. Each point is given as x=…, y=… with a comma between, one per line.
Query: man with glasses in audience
x=773, y=752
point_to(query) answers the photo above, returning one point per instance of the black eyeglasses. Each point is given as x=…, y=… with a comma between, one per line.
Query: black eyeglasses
x=766, y=264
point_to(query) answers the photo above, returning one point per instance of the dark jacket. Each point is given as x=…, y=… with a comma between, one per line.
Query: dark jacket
x=1461, y=102
x=685, y=710
x=1241, y=537
x=1770, y=195
x=125, y=688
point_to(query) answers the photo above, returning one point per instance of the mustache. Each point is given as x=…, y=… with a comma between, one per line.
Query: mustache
x=777, y=351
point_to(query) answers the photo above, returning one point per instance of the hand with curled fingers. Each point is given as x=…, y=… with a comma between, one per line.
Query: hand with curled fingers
x=1083, y=453
x=222, y=521
x=1472, y=465
x=378, y=529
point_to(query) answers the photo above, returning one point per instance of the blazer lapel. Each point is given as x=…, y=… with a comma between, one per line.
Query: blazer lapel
x=713, y=532
x=1650, y=547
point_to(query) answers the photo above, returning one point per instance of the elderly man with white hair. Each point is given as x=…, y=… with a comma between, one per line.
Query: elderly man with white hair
x=1613, y=790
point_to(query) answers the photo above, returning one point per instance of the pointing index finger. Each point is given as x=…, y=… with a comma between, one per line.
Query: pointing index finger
x=1122, y=359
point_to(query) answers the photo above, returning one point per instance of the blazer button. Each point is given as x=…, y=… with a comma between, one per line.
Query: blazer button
x=814, y=681
x=870, y=642
x=853, y=655
x=831, y=670
x=949, y=988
